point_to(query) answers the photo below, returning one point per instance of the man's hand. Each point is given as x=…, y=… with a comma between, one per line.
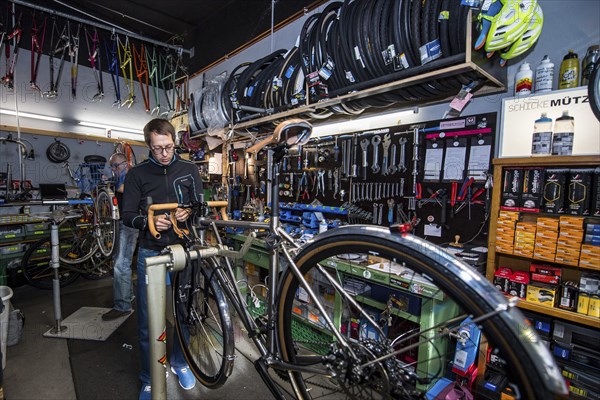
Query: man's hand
x=162, y=222
x=181, y=214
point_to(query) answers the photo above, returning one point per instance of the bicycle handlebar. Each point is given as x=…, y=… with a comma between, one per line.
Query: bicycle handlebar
x=172, y=207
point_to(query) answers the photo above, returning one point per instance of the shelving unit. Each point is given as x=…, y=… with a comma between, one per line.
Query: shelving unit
x=491, y=78
x=495, y=258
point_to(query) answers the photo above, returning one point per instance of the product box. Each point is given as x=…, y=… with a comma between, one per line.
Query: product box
x=595, y=208
x=568, y=222
x=511, y=188
x=590, y=256
x=547, y=223
x=555, y=190
x=502, y=278
x=594, y=308
x=532, y=190
x=518, y=284
x=589, y=283
x=542, y=294
x=580, y=191
x=545, y=274
x=568, y=296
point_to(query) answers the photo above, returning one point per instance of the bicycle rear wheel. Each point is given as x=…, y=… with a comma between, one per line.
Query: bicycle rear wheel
x=420, y=319
x=37, y=269
x=77, y=242
x=107, y=225
x=203, y=323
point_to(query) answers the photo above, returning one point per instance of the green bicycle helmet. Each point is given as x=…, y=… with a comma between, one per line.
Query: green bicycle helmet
x=509, y=24
x=528, y=39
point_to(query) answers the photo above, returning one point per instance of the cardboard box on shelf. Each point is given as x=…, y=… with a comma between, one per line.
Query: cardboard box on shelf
x=542, y=294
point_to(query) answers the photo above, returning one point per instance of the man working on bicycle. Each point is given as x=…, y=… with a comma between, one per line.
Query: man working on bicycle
x=165, y=178
x=126, y=246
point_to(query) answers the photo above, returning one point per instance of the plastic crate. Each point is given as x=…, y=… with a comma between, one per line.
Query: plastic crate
x=12, y=249
x=40, y=226
x=11, y=232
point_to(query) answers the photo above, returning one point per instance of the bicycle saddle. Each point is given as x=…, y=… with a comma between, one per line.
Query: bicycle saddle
x=292, y=132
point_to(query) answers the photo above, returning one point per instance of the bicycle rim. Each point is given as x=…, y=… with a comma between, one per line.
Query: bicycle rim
x=37, y=270
x=203, y=324
x=434, y=296
x=107, y=228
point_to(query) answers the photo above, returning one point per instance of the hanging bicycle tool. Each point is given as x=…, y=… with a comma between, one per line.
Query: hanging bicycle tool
x=152, y=61
x=8, y=80
x=95, y=63
x=113, y=67
x=125, y=61
x=37, y=44
x=141, y=71
x=58, y=47
x=74, y=56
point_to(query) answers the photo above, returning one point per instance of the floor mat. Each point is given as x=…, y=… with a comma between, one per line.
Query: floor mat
x=87, y=324
x=103, y=369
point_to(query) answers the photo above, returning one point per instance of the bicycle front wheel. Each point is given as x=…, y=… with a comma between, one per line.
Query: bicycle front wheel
x=203, y=323
x=403, y=313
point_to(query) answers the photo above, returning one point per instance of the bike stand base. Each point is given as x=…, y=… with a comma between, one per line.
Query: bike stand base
x=87, y=324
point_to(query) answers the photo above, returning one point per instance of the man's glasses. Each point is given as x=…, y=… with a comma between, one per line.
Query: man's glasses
x=117, y=165
x=160, y=150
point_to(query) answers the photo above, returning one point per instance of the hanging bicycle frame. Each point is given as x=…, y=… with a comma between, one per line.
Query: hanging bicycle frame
x=8, y=80
x=141, y=70
x=37, y=44
x=113, y=68
x=94, y=60
x=126, y=65
x=61, y=46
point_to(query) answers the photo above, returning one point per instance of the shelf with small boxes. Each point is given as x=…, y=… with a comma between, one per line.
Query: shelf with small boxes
x=545, y=235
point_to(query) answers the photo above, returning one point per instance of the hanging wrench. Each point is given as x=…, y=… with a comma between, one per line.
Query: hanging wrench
x=393, y=168
x=380, y=214
x=364, y=145
x=386, y=147
x=375, y=142
x=375, y=213
x=402, y=165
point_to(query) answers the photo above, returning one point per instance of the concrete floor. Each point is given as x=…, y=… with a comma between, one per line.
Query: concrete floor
x=40, y=368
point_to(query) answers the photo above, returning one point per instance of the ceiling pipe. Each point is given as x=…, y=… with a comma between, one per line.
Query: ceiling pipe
x=190, y=52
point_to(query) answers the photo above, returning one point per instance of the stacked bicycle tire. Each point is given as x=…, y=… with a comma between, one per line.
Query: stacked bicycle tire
x=349, y=46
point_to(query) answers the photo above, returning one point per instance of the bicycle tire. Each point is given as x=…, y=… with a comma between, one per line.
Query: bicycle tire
x=106, y=227
x=531, y=366
x=58, y=152
x=97, y=267
x=594, y=90
x=37, y=270
x=199, y=328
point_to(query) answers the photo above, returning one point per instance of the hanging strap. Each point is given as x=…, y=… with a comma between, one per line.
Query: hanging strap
x=141, y=70
x=37, y=44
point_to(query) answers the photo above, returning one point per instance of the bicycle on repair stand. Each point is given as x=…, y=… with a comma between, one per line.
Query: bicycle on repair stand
x=323, y=333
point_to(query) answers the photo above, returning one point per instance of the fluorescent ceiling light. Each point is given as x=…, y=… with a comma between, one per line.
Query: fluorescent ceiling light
x=28, y=115
x=107, y=127
x=362, y=124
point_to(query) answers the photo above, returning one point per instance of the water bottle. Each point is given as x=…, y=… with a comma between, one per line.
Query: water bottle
x=544, y=76
x=524, y=80
x=542, y=136
x=569, y=71
x=587, y=65
x=564, y=132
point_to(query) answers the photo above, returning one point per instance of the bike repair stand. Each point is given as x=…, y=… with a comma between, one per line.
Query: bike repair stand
x=85, y=323
x=55, y=264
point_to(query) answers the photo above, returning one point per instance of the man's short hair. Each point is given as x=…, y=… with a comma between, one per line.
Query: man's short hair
x=159, y=126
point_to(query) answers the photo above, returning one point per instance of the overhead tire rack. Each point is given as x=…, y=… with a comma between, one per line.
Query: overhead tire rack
x=490, y=76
